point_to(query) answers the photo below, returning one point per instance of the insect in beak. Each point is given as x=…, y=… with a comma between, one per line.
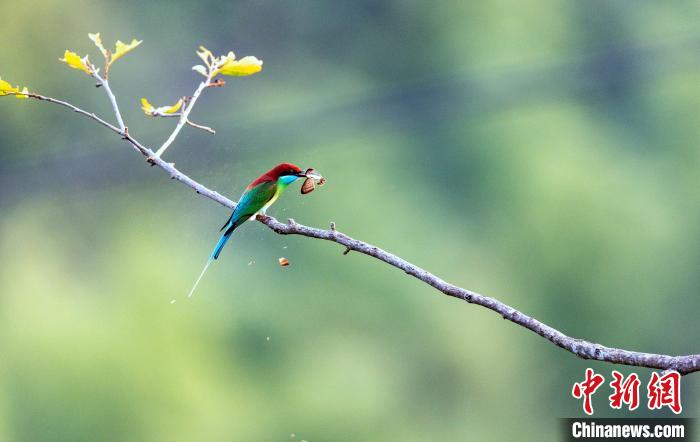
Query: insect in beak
x=310, y=182
x=308, y=186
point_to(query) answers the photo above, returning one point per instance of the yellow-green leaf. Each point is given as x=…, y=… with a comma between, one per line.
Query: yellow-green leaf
x=174, y=108
x=245, y=66
x=7, y=89
x=73, y=60
x=4, y=86
x=147, y=107
x=98, y=42
x=123, y=49
x=206, y=55
x=24, y=94
x=200, y=69
x=151, y=111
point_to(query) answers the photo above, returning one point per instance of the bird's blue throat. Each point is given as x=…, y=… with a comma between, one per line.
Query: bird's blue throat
x=286, y=180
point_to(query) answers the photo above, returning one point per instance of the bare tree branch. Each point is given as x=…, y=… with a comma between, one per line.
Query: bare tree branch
x=188, y=122
x=201, y=127
x=112, y=99
x=581, y=348
x=66, y=105
x=184, y=115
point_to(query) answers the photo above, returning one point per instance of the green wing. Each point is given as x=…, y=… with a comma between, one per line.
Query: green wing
x=250, y=203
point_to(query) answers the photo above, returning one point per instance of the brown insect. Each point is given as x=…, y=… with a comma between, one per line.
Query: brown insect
x=308, y=186
x=309, y=183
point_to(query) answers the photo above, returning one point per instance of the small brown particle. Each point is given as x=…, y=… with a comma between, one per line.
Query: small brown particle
x=284, y=262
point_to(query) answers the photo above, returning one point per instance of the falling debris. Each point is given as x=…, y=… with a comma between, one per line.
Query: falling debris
x=268, y=338
x=284, y=262
x=172, y=302
x=251, y=263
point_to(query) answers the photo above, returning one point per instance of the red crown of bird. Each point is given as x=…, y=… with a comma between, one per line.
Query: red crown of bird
x=276, y=172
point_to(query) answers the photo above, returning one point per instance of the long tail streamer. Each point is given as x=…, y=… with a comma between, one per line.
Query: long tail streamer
x=189, y=295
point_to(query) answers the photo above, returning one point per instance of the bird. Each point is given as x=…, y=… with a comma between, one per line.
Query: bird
x=256, y=199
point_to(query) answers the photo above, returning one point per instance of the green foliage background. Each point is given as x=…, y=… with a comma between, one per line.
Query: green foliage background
x=542, y=152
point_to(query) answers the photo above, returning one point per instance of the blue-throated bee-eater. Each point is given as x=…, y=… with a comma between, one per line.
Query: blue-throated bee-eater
x=257, y=198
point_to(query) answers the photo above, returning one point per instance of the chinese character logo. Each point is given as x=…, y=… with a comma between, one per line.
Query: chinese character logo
x=626, y=392
x=662, y=391
x=665, y=391
x=586, y=389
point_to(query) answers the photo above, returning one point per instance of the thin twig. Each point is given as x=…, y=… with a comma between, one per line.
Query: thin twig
x=199, y=126
x=188, y=122
x=112, y=99
x=581, y=348
x=189, y=104
x=66, y=105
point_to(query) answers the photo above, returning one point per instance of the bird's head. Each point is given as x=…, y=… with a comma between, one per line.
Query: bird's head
x=286, y=173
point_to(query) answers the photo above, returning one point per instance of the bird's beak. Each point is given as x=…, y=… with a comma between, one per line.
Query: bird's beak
x=301, y=174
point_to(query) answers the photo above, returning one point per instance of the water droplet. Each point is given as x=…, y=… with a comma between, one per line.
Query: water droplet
x=268, y=338
x=172, y=302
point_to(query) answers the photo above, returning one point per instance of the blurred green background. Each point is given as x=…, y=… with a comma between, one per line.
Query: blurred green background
x=542, y=152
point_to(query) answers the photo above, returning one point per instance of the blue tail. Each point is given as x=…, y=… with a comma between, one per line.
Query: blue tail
x=220, y=245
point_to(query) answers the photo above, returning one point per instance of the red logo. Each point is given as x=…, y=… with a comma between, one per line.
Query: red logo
x=662, y=391
x=626, y=392
x=665, y=391
x=586, y=389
